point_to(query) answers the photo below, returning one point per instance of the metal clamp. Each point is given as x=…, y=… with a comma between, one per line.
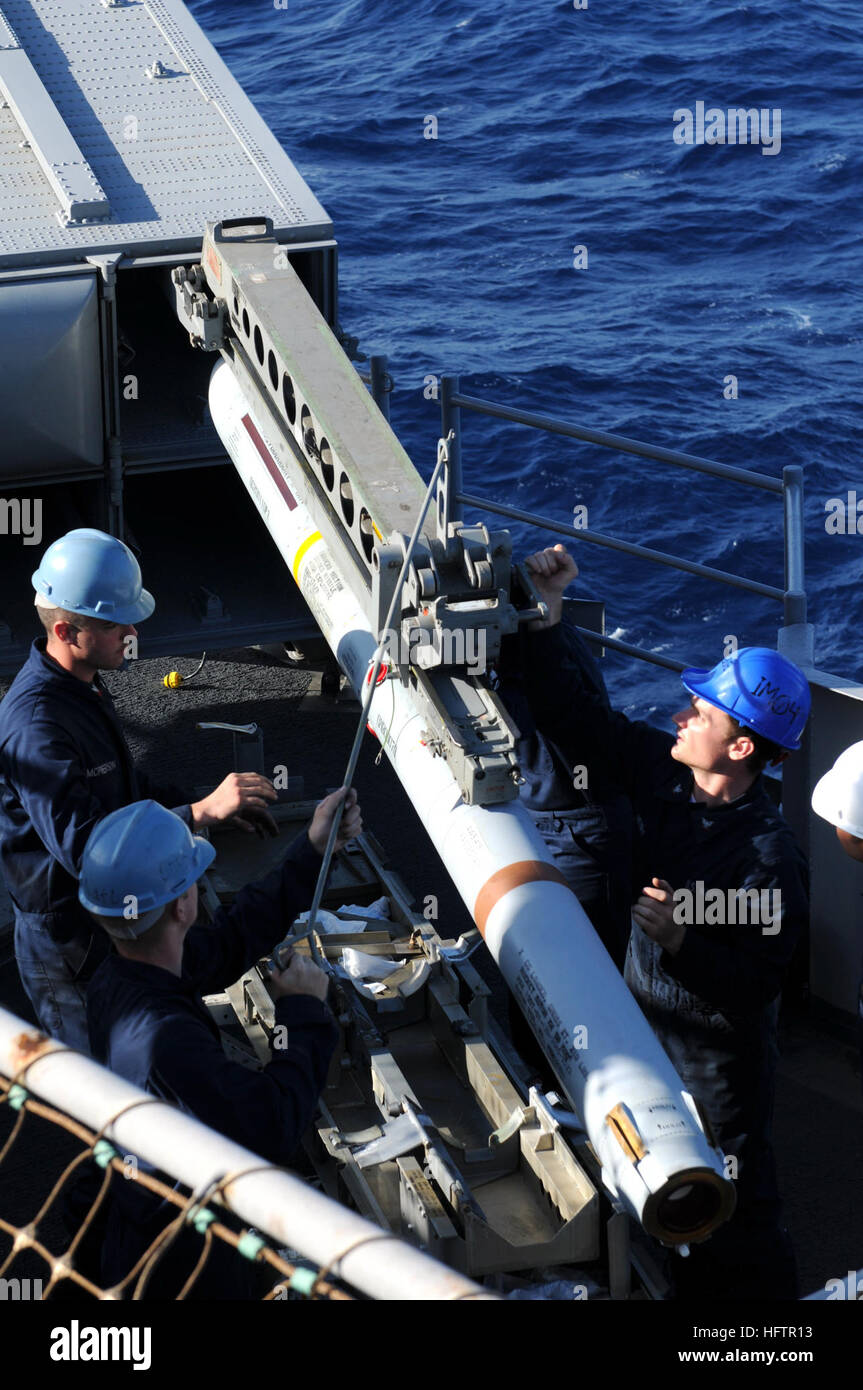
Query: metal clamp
x=204, y=318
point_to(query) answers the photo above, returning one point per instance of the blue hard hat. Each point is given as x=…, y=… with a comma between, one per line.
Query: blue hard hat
x=95, y=574
x=759, y=688
x=139, y=859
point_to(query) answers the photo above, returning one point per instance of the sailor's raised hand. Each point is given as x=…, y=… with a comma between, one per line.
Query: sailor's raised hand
x=552, y=571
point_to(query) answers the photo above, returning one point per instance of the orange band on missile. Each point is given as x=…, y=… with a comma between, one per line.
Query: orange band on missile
x=513, y=876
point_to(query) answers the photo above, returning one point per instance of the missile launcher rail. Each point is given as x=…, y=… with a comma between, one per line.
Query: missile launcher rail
x=246, y=301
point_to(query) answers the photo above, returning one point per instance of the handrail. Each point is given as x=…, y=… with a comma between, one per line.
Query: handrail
x=619, y=442
x=601, y=639
x=642, y=552
x=789, y=487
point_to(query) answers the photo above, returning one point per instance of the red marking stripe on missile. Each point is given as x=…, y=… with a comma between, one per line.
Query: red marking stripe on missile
x=513, y=876
x=270, y=463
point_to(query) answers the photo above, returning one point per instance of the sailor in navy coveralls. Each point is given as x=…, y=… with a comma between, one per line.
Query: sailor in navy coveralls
x=702, y=821
x=148, y=1022
x=64, y=764
x=584, y=822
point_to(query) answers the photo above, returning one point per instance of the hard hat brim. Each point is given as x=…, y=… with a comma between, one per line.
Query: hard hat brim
x=136, y=612
x=693, y=677
x=203, y=858
x=696, y=681
x=826, y=803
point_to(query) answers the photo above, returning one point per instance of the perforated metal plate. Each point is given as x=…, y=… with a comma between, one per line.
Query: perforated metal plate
x=170, y=152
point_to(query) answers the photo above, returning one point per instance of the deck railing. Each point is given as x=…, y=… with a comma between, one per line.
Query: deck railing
x=792, y=594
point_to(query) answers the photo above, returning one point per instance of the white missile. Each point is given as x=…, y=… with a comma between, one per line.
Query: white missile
x=643, y=1126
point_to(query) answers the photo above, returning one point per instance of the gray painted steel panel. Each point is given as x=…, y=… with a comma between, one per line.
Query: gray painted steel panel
x=50, y=388
x=134, y=132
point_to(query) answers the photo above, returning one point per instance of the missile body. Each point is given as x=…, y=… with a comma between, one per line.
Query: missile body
x=643, y=1127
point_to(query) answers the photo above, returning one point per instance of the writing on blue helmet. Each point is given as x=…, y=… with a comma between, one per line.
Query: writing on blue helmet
x=761, y=689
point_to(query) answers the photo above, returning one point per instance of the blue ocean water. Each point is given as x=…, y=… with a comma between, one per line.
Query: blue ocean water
x=555, y=129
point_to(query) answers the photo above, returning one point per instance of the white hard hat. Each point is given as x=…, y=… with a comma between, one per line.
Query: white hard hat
x=838, y=796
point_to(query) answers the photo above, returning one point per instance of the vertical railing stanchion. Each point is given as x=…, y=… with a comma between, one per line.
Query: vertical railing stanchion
x=795, y=574
x=451, y=420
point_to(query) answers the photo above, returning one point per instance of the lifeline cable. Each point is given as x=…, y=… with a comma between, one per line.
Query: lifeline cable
x=371, y=681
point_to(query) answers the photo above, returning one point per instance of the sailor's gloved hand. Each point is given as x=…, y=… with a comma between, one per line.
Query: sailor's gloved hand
x=241, y=799
x=552, y=571
x=351, y=822
x=654, y=913
x=300, y=976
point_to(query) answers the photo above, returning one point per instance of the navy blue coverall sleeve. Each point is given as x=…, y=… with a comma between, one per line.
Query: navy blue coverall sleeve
x=569, y=708
x=176, y=799
x=259, y=917
x=517, y=656
x=52, y=787
x=51, y=783
x=578, y=655
x=267, y=1111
